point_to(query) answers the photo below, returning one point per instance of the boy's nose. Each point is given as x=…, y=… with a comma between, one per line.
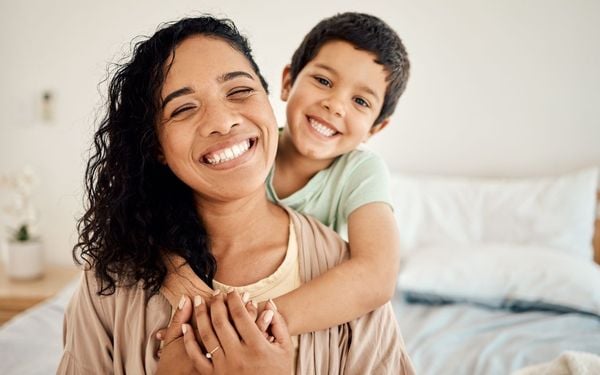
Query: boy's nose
x=219, y=119
x=334, y=105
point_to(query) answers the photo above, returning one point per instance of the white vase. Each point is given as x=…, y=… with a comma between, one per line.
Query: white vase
x=25, y=260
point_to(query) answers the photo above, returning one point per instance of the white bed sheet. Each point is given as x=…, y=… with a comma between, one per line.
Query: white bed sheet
x=468, y=339
x=31, y=343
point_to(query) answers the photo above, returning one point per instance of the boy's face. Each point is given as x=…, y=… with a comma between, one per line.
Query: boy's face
x=335, y=100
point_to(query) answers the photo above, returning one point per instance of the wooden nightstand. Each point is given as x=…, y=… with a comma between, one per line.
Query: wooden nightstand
x=18, y=295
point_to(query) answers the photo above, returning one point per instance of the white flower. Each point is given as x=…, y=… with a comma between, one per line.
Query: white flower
x=21, y=214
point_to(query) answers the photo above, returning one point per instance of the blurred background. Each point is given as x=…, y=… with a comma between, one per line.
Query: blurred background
x=498, y=88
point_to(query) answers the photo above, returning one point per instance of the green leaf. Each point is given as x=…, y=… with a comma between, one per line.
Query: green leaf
x=22, y=234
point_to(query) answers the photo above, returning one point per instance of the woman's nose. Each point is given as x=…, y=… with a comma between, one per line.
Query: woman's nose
x=219, y=119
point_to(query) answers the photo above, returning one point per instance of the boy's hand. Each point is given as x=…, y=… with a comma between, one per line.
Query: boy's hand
x=238, y=348
x=261, y=323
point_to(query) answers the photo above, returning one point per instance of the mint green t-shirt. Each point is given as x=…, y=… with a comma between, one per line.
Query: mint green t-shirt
x=353, y=180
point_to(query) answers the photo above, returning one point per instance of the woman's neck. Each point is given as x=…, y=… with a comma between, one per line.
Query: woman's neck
x=248, y=238
x=234, y=226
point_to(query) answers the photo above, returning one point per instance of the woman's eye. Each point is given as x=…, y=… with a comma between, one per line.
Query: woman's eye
x=181, y=110
x=323, y=81
x=240, y=93
x=361, y=102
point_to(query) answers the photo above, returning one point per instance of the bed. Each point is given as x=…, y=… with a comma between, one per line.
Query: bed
x=498, y=275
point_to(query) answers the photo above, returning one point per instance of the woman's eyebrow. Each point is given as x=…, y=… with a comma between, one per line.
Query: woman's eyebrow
x=231, y=75
x=183, y=91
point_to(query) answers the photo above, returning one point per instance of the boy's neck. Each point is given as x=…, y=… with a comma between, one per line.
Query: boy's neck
x=292, y=169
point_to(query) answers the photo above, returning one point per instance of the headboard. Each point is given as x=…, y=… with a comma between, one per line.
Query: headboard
x=597, y=235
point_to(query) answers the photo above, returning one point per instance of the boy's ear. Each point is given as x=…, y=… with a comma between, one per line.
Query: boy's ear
x=377, y=128
x=286, y=83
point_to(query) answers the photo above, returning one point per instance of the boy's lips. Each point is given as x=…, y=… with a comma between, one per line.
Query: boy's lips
x=322, y=127
x=229, y=151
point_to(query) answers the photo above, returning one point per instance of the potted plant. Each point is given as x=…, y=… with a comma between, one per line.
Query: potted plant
x=24, y=248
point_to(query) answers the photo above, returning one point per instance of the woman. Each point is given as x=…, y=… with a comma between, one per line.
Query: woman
x=178, y=174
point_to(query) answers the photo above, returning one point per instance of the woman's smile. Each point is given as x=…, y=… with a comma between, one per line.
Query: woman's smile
x=226, y=156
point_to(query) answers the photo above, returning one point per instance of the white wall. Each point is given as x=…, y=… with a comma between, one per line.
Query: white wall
x=498, y=88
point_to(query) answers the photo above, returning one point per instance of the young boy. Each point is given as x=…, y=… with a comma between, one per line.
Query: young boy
x=341, y=87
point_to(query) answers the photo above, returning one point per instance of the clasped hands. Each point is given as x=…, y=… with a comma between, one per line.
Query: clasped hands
x=225, y=335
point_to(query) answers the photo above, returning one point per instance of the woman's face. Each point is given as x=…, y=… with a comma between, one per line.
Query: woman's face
x=217, y=129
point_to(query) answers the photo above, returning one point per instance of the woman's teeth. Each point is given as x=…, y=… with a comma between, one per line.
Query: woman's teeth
x=321, y=129
x=228, y=154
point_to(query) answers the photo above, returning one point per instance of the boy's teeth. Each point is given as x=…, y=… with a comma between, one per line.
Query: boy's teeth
x=228, y=154
x=321, y=129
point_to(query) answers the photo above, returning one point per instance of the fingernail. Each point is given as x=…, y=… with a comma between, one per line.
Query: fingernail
x=159, y=336
x=184, y=328
x=254, y=304
x=216, y=292
x=273, y=304
x=197, y=301
x=268, y=316
x=245, y=297
x=181, y=302
x=271, y=338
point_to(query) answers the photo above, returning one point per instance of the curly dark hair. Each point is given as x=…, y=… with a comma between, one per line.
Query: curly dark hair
x=365, y=32
x=136, y=208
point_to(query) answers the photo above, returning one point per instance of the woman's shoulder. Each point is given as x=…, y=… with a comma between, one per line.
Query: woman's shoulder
x=93, y=294
x=316, y=241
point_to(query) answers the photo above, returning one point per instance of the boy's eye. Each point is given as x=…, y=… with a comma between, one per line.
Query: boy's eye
x=323, y=81
x=361, y=102
x=240, y=93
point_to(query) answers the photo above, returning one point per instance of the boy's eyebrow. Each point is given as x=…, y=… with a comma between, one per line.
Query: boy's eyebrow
x=177, y=93
x=187, y=90
x=364, y=88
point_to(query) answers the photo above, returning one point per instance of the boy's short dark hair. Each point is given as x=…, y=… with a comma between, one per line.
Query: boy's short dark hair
x=365, y=32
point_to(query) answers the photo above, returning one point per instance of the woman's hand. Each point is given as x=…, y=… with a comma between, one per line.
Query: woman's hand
x=183, y=303
x=172, y=356
x=237, y=347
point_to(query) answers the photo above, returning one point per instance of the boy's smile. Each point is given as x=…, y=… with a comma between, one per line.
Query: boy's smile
x=322, y=127
x=334, y=101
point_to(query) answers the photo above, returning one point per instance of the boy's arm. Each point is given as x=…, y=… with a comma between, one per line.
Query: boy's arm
x=355, y=287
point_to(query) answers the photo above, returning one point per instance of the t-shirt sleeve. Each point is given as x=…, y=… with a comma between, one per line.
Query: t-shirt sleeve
x=87, y=339
x=368, y=182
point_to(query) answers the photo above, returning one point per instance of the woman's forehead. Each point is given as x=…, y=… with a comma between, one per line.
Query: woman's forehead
x=203, y=57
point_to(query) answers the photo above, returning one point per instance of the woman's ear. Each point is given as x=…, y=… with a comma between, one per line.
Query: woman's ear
x=286, y=83
x=160, y=156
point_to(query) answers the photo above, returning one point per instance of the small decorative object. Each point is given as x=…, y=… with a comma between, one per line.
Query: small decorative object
x=24, y=249
x=47, y=106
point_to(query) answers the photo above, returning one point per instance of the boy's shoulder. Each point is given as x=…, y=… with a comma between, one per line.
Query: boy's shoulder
x=360, y=158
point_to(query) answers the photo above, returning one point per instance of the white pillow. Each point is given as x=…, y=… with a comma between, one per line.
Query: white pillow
x=554, y=212
x=502, y=276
